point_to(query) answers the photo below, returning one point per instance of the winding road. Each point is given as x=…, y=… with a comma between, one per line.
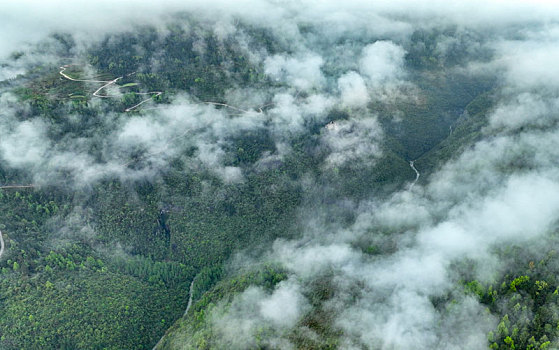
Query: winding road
x=107, y=83
x=416, y=174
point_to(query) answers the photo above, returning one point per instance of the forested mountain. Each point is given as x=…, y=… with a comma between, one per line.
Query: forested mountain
x=279, y=175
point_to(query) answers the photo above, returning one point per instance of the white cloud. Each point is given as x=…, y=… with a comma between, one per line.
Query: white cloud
x=27, y=145
x=353, y=90
x=302, y=73
x=502, y=190
x=284, y=307
x=382, y=62
x=354, y=141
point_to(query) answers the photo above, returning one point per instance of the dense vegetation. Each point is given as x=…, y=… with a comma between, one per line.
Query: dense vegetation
x=108, y=265
x=524, y=300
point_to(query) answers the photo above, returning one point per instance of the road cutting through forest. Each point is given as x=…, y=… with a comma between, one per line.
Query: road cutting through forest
x=153, y=94
x=108, y=83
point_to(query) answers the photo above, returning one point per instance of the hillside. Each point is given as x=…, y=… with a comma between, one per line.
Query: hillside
x=281, y=176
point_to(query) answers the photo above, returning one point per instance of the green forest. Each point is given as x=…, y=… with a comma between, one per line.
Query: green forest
x=204, y=183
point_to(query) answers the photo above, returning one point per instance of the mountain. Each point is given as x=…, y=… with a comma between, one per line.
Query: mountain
x=268, y=175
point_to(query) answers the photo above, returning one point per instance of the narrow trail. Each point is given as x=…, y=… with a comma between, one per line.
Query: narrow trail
x=107, y=83
x=416, y=174
x=185, y=311
x=63, y=69
x=259, y=111
x=189, y=297
x=16, y=186
x=1, y=244
x=96, y=92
